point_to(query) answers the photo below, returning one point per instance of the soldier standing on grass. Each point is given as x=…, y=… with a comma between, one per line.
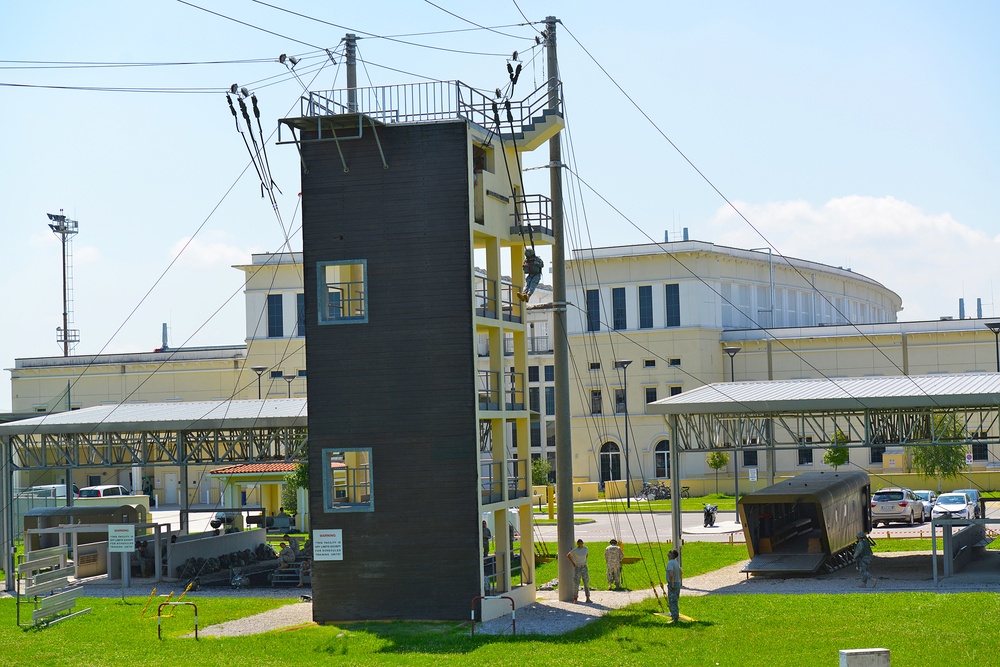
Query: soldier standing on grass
x=674, y=581
x=613, y=556
x=578, y=557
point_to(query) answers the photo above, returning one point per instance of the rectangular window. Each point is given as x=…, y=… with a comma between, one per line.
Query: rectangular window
x=645, y=307
x=536, y=435
x=593, y=310
x=550, y=400
x=343, y=292
x=673, y=305
x=301, y=373
x=805, y=453
x=618, y=308
x=347, y=480
x=875, y=454
x=595, y=366
x=650, y=394
x=550, y=373
x=649, y=363
x=673, y=362
x=277, y=375
x=980, y=451
x=275, y=318
x=532, y=373
x=675, y=390
x=533, y=401
x=595, y=402
x=300, y=314
x=749, y=459
x=619, y=401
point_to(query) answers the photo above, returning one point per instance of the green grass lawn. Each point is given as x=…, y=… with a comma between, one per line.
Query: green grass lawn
x=737, y=630
x=699, y=558
x=745, y=631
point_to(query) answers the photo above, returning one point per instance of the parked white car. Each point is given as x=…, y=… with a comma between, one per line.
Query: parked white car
x=954, y=506
x=104, y=491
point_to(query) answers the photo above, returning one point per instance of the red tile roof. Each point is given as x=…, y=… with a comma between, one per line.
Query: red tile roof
x=251, y=468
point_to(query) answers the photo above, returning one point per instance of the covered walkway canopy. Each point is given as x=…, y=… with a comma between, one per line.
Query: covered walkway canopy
x=151, y=434
x=850, y=412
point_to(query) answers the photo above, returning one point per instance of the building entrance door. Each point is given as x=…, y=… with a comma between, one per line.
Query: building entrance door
x=170, y=488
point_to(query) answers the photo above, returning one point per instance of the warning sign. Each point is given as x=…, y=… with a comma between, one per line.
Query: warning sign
x=121, y=538
x=328, y=544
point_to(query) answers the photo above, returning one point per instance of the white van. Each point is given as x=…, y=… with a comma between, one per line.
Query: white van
x=49, y=491
x=104, y=491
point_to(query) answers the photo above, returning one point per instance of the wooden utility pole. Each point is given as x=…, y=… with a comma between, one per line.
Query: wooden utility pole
x=564, y=444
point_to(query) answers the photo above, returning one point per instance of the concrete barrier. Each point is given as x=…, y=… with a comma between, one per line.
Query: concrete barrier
x=206, y=545
x=865, y=657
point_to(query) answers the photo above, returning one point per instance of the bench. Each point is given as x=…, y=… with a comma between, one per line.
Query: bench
x=279, y=524
x=47, y=586
x=286, y=575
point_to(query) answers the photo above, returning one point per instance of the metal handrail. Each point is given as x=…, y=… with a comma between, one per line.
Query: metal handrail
x=428, y=101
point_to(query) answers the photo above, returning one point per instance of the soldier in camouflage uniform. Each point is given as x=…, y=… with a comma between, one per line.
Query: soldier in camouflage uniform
x=613, y=556
x=863, y=556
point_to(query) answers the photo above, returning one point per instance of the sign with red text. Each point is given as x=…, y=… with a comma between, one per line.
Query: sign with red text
x=328, y=544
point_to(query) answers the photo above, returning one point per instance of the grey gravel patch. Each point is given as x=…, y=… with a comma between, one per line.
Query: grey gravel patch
x=290, y=615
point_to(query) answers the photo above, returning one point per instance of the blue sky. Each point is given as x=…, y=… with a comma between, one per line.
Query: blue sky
x=856, y=134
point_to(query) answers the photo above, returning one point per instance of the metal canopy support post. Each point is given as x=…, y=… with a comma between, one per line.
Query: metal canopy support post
x=7, y=513
x=182, y=493
x=675, y=485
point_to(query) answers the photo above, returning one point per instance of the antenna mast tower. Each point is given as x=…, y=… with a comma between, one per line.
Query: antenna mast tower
x=66, y=229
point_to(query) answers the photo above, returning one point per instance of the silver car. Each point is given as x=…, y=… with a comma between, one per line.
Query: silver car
x=973, y=496
x=898, y=505
x=928, y=498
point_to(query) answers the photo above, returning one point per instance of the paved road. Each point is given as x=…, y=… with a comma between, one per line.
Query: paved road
x=656, y=527
x=647, y=527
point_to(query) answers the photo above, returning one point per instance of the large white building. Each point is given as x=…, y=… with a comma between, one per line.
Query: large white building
x=670, y=308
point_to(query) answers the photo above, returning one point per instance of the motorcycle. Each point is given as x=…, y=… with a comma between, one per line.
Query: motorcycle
x=710, y=513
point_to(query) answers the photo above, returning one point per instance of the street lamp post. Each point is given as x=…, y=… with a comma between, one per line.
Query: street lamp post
x=259, y=370
x=995, y=328
x=623, y=365
x=289, y=379
x=732, y=351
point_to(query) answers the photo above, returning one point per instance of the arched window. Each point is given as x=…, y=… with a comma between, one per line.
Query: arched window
x=611, y=462
x=661, y=459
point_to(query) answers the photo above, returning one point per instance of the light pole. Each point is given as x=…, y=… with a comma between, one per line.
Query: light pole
x=259, y=370
x=623, y=365
x=289, y=379
x=995, y=328
x=732, y=351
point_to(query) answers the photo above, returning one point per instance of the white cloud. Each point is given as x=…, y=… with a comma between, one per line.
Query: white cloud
x=930, y=260
x=210, y=249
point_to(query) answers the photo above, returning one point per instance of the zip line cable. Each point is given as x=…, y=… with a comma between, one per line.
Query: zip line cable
x=462, y=18
x=732, y=206
x=396, y=39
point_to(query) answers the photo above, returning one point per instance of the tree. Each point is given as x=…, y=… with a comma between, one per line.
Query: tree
x=942, y=460
x=295, y=480
x=717, y=461
x=837, y=455
x=540, y=469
